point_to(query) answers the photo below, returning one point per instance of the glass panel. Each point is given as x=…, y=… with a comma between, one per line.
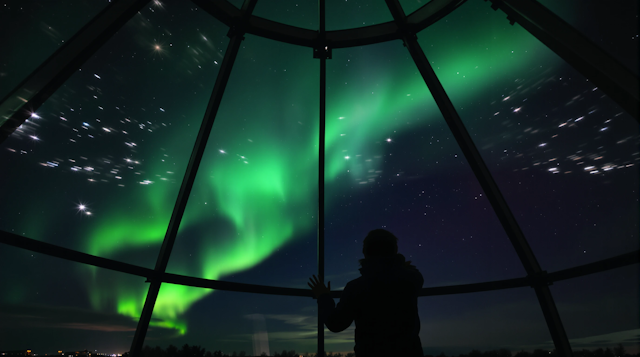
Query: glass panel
x=392, y=163
x=503, y=319
x=410, y=6
x=291, y=12
x=99, y=166
x=230, y=321
x=50, y=304
x=563, y=154
x=252, y=213
x=343, y=14
x=601, y=310
x=32, y=30
x=614, y=28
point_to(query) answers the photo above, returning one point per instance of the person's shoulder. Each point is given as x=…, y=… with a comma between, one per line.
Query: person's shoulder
x=355, y=284
x=412, y=273
x=412, y=270
x=419, y=279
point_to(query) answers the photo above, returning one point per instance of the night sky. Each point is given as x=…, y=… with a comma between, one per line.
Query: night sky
x=98, y=167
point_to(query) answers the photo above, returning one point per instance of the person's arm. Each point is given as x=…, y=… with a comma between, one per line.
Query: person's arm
x=340, y=317
x=336, y=318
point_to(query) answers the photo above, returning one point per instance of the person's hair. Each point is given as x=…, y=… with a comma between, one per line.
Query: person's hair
x=380, y=243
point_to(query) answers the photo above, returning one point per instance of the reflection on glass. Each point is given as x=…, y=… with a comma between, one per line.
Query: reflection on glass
x=255, y=195
x=32, y=30
x=49, y=304
x=600, y=310
x=504, y=319
x=230, y=321
x=614, y=28
x=350, y=14
x=291, y=12
x=564, y=155
x=97, y=168
x=392, y=163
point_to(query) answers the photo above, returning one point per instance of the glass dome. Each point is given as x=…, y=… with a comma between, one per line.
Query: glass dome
x=175, y=171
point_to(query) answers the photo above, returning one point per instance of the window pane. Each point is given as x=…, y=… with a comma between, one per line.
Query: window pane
x=614, y=28
x=350, y=14
x=99, y=165
x=252, y=214
x=232, y=321
x=600, y=310
x=50, y=304
x=392, y=163
x=503, y=319
x=563, y=154
x=291, y=12
x=32, y=30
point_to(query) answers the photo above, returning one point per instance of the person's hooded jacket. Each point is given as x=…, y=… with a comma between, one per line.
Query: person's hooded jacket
x=384, y=304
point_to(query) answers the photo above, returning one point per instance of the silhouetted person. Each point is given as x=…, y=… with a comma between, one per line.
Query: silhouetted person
x=383, y=301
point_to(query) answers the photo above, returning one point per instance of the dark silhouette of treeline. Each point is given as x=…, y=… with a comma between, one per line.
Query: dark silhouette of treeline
x=198, y=351
x=617, y=351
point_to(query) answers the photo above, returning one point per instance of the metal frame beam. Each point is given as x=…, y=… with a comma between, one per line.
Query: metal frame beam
x=611, y=77
x=18, y=105
x=237, y=36
x=321, y=51
x=482, y=173
x=56, y=251
x=31, y=93
x=388, y=31
x=615, y=80
x=618, y=261
x=431, y=13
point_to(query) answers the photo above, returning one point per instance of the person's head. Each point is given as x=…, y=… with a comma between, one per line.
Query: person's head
x=380, y=243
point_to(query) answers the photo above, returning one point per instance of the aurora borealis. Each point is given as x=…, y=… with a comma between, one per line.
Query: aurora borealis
x=117, y=136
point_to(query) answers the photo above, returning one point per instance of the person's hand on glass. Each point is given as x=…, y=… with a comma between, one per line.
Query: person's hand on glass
x=318, y=288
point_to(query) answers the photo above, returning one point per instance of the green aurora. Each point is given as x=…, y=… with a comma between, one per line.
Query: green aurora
x=263, y=182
